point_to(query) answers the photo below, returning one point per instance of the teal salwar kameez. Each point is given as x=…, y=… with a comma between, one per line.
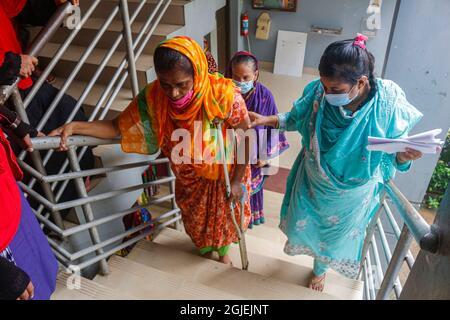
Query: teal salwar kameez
x=334, y=186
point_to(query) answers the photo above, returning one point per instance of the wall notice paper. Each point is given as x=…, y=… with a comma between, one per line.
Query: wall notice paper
x=290, y=53
x=425, y=142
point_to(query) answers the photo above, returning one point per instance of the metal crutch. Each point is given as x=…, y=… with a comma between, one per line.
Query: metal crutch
x=239, y=228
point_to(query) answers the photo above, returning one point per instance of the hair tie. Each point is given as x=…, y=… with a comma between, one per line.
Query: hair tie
x=360, y=41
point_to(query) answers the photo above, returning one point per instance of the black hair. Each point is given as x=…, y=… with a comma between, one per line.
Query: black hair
x=348, y=62
x=166, y=60
x=239, y=59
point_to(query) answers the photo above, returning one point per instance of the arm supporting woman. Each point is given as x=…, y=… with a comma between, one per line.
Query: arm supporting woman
x=103, y=129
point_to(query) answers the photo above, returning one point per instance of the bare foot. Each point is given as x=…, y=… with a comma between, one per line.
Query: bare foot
x=317, y=283
x=226, y=260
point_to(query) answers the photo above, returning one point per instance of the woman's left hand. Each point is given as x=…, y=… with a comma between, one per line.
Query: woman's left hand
x=236, y=192
x=408, y=155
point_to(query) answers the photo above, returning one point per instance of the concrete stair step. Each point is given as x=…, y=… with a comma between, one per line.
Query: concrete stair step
x=272, y=204
x=254, y=244
x=272, y=207
x=144, y=282
x=122, y=100
x=163, y=29
x=88, y=290
x=248, y=285
x=91, y=27
x=73, y=54
x=266, y=232
x=264, y=261
x=173, y=15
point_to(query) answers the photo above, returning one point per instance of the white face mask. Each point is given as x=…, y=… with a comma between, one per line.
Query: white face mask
x=245, y=86
x=340, y=99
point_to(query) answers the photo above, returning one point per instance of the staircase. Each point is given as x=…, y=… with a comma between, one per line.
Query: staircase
x=171, y=24
x=169, y=267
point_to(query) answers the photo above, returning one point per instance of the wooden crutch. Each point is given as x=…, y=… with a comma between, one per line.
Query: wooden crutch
x=239, y=228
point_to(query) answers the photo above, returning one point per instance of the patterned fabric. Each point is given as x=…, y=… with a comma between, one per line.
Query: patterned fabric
x=212, y=64
x=269, y=142
x=202, y=201
x=148, y=123
x=7, y=254
x=33, y=254
x=334, y=187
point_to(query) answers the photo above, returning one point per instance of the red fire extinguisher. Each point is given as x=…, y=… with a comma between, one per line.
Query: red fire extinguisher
x=244, y=24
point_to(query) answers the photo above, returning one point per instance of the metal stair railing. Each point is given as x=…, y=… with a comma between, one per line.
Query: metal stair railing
x=85, y=201
x=54, y=185
x=381, y=280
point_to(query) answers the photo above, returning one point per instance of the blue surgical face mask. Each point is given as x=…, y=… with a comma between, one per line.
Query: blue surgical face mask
x=245, y=86
x=339, y=99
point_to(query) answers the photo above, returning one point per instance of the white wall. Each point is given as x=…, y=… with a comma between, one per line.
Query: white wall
x=200, y=18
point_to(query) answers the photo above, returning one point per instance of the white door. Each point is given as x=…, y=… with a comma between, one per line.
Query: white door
x=290, y=53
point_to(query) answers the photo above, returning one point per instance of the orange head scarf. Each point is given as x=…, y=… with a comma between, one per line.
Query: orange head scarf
x=148, y=122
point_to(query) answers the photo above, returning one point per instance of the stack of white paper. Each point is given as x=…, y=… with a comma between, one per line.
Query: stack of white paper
x=425, y=142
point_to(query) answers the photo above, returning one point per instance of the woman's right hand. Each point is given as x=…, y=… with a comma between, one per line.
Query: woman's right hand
x=64, y=132
x=256, y=119
x=28, y=293
x=259, y=120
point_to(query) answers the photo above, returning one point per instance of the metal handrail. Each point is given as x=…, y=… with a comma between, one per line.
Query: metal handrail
x=116, y=76
x=46, y=143
x=89, y=199
x=397, y=232
x=415, y=227
x=388, y=255
x=49, y=201
x=426, y=236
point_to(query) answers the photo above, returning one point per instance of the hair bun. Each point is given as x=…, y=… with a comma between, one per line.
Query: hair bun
x=360, y=41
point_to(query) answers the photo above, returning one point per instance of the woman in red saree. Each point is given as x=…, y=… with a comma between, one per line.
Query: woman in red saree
x=185, y=96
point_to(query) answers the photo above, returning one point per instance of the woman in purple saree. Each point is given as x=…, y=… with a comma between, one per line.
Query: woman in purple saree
x=244, y=70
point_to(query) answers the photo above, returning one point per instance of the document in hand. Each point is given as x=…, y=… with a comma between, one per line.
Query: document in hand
x=425, y=142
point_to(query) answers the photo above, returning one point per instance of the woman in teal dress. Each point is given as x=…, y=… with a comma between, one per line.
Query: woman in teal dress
x=334, y=186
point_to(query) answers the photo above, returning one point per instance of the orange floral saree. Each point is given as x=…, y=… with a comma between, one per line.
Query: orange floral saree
x=147, y=124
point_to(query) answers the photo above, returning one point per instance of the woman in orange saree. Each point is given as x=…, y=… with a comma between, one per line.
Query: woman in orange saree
x=186, y=97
